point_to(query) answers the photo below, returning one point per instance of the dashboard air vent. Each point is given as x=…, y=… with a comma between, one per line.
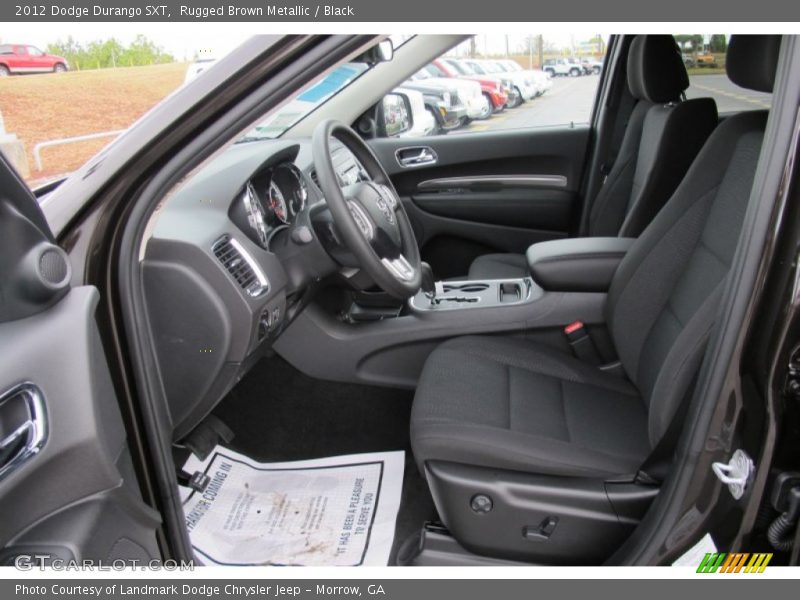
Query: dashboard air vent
x=241, y=266
x=314, y=178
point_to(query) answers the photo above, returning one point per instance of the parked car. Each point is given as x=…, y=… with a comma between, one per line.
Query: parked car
x=524, y=77
x=591, y=66
x=705, y=59
x=688, y=60
x=494, y=94
x=467, y=91
x=442, y=101
x=512, y=98
x=563, y=67
x=520, y=87
x=541, y=79
x=23, y=58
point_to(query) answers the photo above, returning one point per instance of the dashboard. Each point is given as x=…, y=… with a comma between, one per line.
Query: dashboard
x=270, y=201
x=228, y=263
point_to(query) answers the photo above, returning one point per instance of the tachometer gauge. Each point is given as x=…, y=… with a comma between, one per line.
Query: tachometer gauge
x=277, y=203
x=290, y=181
x=255, y=214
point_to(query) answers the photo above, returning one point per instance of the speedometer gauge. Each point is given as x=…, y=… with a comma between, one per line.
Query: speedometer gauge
x=277, y=203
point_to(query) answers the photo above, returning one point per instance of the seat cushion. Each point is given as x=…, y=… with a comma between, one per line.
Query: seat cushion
x=499, y=266
x=509, y=403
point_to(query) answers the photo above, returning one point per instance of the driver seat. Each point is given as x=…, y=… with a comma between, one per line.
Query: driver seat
x=532, y=454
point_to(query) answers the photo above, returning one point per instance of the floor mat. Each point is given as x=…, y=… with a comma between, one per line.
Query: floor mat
x=335, y=511
x=280, y=414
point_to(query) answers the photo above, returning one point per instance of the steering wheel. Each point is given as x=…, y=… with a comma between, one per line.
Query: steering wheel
x=368, y=215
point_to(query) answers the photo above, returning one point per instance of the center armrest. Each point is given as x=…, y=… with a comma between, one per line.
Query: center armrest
x=577, y=264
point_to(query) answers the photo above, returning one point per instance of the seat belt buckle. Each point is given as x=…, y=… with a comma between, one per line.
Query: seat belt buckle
x=575, y=331
x=581, y=343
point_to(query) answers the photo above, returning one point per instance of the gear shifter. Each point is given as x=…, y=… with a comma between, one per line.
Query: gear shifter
x=428, y=282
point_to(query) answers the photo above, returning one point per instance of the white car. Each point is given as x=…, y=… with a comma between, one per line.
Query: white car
x=563, y=67
x=540, y=78
x=521, y=85
x=526, y=79
x=469, y=92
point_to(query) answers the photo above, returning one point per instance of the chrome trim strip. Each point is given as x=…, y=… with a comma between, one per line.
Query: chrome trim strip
x=35, y=429
x=509, y=181
x=262, y=279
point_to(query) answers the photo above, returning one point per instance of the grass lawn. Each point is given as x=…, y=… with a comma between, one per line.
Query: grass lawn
x=38, y=108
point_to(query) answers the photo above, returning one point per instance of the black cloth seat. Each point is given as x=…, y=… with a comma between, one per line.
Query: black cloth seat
x=510, y=403
x=662, y=137
x=507, y=403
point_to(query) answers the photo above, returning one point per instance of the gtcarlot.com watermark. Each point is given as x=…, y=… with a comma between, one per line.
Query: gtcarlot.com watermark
x=30, y=562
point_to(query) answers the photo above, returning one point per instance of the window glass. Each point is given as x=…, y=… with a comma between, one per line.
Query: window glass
x=503, y=82
x=704, y=57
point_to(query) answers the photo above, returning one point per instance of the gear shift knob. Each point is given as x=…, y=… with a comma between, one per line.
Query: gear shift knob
x=428, y=281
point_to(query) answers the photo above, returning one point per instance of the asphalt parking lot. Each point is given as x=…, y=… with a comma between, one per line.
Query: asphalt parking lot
x=571, y=98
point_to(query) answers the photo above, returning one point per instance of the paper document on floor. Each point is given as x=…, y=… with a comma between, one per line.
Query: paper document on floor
x=337, y=511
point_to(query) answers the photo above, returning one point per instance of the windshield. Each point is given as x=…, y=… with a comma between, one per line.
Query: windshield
x=421, y=74
x=478, y=69
x=461, y=68
x=332, y=83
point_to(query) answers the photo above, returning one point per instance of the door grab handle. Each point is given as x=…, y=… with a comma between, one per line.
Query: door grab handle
x=27, y=438
x=415, y=156
x=12, y=438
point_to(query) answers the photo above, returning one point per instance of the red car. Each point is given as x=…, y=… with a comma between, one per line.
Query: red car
x=23, y=58
x=491, y=87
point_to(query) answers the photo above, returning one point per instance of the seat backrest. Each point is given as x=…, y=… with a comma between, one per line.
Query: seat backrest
x=665, y=295
x=662, y=138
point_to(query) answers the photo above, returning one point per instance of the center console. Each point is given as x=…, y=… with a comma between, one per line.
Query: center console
x=456, y=295
x=568, y=281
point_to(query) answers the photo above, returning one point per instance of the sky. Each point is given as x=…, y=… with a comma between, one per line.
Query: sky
x=217, y=39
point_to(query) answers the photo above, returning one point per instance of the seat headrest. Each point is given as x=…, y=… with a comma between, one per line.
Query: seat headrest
x=751, y=61
x=655, y=69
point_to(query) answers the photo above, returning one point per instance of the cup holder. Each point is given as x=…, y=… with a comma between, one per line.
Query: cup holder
x=469, y=288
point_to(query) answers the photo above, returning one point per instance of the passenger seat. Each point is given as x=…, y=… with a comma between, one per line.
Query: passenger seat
x=662, y=138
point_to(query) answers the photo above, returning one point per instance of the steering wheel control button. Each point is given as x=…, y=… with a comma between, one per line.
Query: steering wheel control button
x=362, y=220
x=481, y=504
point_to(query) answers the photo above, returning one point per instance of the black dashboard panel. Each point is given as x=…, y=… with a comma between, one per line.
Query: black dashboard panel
x=217, y=290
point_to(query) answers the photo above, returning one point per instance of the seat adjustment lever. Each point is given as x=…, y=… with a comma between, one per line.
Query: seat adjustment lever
x=542, y=532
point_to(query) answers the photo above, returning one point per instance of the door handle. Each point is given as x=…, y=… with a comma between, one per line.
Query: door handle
x=23, y=427
x=416, y=156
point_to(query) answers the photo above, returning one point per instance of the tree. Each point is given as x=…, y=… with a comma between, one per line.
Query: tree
x=719, y=43
x=110, y=53
x=690, y=42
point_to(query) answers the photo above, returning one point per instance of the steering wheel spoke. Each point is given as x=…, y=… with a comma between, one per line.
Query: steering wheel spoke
x=400, y=267
x=368, y=215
